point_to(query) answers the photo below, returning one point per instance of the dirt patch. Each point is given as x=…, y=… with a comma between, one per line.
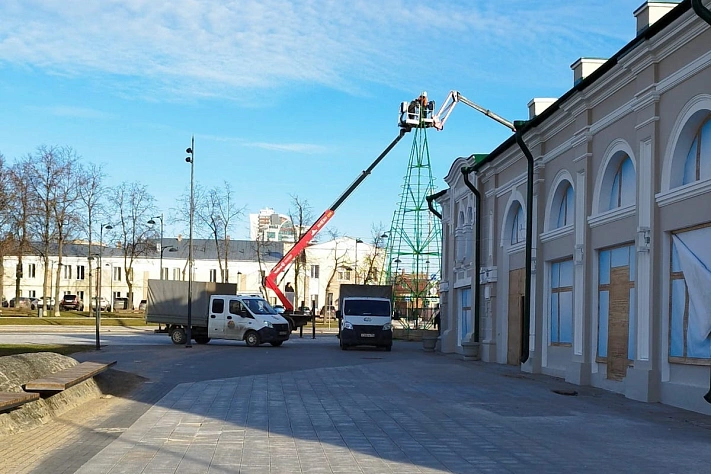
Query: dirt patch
x=17, y=370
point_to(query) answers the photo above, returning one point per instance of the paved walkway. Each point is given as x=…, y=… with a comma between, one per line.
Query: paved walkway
x=436, y=414
x=361, y=411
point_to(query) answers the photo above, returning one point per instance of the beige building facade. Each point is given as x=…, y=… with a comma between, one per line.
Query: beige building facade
x=621, y=225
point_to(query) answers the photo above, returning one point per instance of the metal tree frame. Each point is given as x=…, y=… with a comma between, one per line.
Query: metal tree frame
x=415, y=237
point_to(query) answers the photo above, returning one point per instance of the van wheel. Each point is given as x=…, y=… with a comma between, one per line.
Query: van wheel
x=252, y=339
x=276, y=343
x=388, y=348
x=178, y=336
x=292, y=325
x=344, y=347
x=202, y=339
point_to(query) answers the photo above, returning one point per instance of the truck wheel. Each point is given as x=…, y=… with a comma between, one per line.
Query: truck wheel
x=252, y=339
x=202, y=339
x=292, y=326
x=276, y=343
x=178, y=336
x=388, y=348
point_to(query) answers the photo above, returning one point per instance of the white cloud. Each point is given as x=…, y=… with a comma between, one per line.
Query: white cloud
x=242, y=48
x=304, y=148
x=76, y=112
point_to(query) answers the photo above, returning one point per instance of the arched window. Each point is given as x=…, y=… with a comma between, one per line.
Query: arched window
x=518, y=225
x=698, y=160
x=566, y=206
x=624, y=186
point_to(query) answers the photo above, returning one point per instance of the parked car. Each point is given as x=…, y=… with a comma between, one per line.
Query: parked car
x=279, y=308
x=24, y=302
x=305, y=310
x=142, y=305
x=103, y=303
x=71, y=302
x=37, y=302
x=328, y=311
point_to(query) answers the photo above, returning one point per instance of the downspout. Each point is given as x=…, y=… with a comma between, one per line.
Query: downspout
x=705, y=15
x=477, y=249
x=431, y=198
x=702, y=11
x=526, y=330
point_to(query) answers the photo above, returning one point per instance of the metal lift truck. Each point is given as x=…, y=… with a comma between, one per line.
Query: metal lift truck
x=270, y=281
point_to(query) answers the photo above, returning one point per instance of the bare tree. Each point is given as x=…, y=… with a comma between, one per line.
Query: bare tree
x=217, y=212
x=91, y=193
x=301, y=217
x=339, y=257
x=374, y=259
x=7, y=243
x=134, y=206
x=20, y=211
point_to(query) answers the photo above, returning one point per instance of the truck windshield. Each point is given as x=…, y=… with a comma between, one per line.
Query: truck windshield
x=367, y=308
x=259, y=306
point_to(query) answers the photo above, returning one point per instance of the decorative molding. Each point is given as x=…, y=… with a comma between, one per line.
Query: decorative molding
x=556, y=233
x=612, y=216
x=684, y=192
x=650, y=120
x=515, y=247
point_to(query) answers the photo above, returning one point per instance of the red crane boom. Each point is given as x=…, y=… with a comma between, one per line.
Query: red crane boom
x=270, y=281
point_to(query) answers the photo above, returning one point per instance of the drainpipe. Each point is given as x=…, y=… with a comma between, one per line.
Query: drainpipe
x=525, y=347
x=431, y=198
x=705, y=15
x=477, y=248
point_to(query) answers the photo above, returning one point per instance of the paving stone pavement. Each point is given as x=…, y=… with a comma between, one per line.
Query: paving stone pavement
x=226, y=408
x=433, y=414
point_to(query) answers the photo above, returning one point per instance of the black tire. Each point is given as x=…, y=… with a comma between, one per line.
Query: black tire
x=292, y=325
x=178, y=336
x=252, y=339
x=276, y=343
x=344, y=347
x=202, y=339
x=388, y=348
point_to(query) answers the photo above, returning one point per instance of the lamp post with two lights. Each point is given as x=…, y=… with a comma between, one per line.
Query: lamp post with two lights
x=190, y=159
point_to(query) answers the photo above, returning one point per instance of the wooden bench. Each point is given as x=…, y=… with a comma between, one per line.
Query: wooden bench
x=12, y=399
x=66, y=378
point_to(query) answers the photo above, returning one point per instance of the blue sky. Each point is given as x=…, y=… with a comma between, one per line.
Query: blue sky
x=285, y=98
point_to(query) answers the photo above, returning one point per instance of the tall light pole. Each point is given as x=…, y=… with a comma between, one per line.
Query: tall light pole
x=98, y=302
x=152, y=222
x=357, y=241
x=191, y=159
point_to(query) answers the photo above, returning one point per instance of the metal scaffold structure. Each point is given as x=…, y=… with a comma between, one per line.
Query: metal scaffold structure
x=415, y=237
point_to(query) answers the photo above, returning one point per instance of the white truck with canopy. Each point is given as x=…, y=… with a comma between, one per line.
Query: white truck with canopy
x=217, y=313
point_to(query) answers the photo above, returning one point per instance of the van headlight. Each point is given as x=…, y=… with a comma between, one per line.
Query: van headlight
x=387, y=327
x=268, y=324
x=347, y=325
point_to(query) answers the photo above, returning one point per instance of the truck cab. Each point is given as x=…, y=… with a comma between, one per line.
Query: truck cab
x=365, y=321
x=246, y=317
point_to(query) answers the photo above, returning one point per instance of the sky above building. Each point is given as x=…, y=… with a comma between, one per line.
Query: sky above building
x=285, y=98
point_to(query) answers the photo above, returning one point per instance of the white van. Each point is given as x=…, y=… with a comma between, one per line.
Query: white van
x=246, y=317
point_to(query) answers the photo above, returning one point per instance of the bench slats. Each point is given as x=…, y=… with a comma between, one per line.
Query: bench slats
x=66, y=378
x=12, y=399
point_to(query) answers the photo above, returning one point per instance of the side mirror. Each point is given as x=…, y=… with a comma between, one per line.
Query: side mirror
x=396, y=315
x=338, y=314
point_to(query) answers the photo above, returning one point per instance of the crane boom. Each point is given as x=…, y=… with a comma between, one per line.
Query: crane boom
x=448, y=106
x=270, y=281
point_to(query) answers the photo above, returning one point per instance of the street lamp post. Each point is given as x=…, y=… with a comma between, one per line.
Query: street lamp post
x=98, y=302
x=190, y=159
x=152, y=222
x=357, y=241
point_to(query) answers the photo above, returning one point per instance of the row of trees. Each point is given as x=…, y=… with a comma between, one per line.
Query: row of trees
x=51, y=197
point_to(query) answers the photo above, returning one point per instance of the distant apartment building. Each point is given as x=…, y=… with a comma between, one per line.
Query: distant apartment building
x=270, y=226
